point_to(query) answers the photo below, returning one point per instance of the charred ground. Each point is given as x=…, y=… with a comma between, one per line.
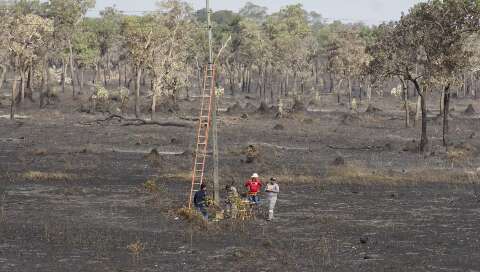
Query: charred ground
x=355, y=194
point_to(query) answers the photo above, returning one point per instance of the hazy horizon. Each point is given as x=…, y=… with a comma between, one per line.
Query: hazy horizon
x=367, y=11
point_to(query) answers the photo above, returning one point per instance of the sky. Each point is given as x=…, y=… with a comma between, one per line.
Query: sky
x=367, y=11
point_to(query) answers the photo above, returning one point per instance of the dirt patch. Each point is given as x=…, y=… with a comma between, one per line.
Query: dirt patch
x=249, y=107
x=372, y=109
x=298, y=106
x=338, y=161
x=263, y=109
x=235, y=109
x=350, y=119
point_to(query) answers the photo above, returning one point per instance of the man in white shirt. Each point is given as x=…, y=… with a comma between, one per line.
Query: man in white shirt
x=272, y=189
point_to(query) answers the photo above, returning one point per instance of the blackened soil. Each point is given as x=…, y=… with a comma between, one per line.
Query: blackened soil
x=85, y=222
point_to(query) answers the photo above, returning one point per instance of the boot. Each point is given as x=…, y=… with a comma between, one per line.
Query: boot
x=270, y=215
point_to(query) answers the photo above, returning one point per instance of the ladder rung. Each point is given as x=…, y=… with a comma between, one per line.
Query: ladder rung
x=204, y=143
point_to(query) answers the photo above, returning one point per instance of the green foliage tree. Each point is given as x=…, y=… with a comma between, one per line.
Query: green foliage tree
x=138, y=33
x=26, y=36
x=67, y=16
x=288, y=31
x=170, y=50
x=425, y=48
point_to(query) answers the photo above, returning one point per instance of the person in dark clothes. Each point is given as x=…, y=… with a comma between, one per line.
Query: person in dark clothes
x=200, y=201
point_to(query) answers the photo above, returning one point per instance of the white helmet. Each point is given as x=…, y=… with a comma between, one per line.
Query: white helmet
x=255, y=175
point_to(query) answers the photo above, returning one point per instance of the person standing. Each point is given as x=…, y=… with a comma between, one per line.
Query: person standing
x=200, y=201
x=254, y=186
x=272, y=189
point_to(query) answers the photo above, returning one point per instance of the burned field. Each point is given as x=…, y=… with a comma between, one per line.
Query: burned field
x=354, y=195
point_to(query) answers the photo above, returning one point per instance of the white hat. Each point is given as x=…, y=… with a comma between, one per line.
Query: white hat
x=255, y=175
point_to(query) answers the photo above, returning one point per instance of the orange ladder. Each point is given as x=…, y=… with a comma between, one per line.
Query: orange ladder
x=198, y=172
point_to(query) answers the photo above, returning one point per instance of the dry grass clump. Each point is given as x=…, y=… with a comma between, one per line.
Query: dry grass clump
x=40, y=152
x=350, y=173
x=457, y=155
x=46, y=176
x=292, y=179
x=192, y=216
x=152, y=187
x=159, y=194
x=460, y=153
x=154, y=158
x=180, y=176
x=136, y=248
x=354, y=174
x=251, y=154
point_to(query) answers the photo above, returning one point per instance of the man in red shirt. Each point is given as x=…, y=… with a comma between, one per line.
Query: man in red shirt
x=254, y=185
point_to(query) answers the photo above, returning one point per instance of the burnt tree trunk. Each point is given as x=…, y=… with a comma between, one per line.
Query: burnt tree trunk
x=125, y=75
x=405, y=103
x=64, y=74
x=446, y=110
x=82, y=78
x=22, y=85
x=2, y=75
x=29, y=92
x=137, y=92
x=423, y=106
x=350, y=91
x=424, y=139
x=44, y=80
x=249, y=84
x=119, y=76
x=14, y=90
x=72, y=69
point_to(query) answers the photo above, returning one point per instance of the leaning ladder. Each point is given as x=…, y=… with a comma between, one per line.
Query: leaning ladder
x=198, y=172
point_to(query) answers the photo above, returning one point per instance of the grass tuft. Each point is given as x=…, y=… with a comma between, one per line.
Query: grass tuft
x=136, y=248
x=40, y=152
x=45, y=176
x=354, y=174
x=192, y=216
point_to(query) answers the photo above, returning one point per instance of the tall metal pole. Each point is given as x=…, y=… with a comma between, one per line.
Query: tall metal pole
x=209, y=27
x=216, y=183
